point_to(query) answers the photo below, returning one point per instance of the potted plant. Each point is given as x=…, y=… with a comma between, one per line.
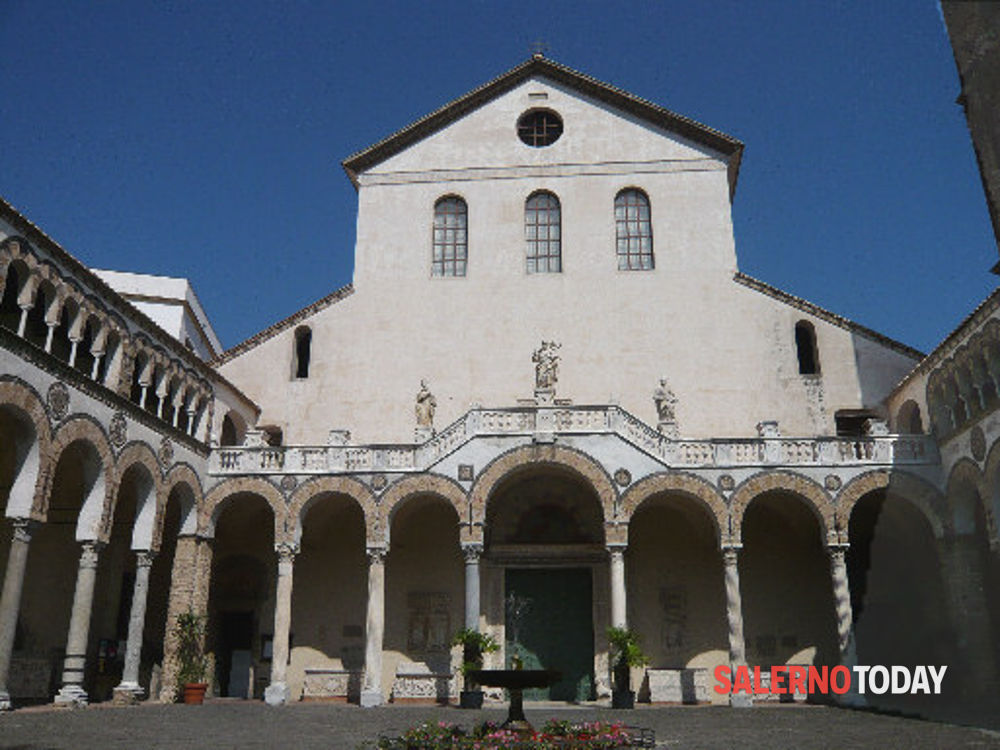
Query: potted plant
x=474, y=646
x=625, y=654
x=192, y=663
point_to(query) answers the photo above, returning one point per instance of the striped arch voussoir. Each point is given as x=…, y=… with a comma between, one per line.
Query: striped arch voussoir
x=815, y=497
x=312, y=489
x=680, y=484
x=220, y=494
x=426, y=484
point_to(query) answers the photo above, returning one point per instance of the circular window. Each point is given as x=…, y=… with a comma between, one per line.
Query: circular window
x=539, y=127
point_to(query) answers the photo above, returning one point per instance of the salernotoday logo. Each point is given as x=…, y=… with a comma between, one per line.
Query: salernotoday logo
x=791, y=679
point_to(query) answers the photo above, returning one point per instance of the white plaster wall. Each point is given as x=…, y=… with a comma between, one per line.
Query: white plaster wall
x=727, y=350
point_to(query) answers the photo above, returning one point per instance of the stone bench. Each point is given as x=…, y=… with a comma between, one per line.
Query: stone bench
x=332, y=684
x=416, y=683
x=678, y=685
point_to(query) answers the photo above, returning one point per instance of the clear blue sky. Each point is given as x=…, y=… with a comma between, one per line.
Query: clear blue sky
x=204, y=139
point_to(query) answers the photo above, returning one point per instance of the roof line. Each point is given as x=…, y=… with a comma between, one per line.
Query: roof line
x=538, y=65
x=273, y=330
x=943, y=349
x=33, y=232
x=830, y=317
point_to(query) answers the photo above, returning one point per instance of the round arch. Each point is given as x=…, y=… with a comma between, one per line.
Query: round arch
x=23, y=400
x=533, y=456
x=923, y=496
x=147, y=515
x=180, y=475
x=220, y=496
x=683, y=484
x=85, y=429
x=815, y=497
x=308, y=492
x=964, y=478
x=425, y=484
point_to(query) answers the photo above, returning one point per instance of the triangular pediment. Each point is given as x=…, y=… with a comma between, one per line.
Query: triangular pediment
x=629, y=109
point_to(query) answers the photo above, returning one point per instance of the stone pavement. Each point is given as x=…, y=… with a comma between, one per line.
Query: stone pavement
x=241, y=724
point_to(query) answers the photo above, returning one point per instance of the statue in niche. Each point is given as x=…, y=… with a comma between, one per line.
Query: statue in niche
x=546, y=360
x=424, y=409
x=665, y=401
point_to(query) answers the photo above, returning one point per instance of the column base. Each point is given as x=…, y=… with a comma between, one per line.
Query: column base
x=71, y=696
x=740, y=700
x=5, y=704
x=371, y=698
x=276, y=694
x=127, y=694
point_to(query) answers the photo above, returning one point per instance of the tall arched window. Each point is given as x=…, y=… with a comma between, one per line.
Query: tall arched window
x=302, y=353
x=543, y=233
x=451, y=237
x=805, y=345
x=633, y=231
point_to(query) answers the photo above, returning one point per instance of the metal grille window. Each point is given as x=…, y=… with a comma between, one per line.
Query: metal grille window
x=543, y=231
x=633, y=231
x=451, y=241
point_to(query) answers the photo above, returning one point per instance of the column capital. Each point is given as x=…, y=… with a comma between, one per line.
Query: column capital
x=731, y=553
x=144, y=558
x=472, y=551
x=618, y=548
x=376, y=555
x=90, y=552
x=23, y=529
x=286, y=551
x=837, y=552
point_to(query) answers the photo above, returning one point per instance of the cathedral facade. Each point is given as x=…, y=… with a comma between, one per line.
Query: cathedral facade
x=548, y=404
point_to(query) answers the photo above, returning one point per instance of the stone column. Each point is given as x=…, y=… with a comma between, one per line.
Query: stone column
x=276, y=693
x=734, y=615
x=619, y=619
x=845, y=618
x=10, y=600
x=129, y=690
x=472, y=554
x=72, y=692
x=371, y=691
x=966, y=590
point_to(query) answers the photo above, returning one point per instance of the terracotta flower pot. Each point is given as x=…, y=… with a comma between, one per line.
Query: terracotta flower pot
x=194, y=693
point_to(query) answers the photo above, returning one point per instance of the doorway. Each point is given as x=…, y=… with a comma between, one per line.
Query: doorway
x=549, y=624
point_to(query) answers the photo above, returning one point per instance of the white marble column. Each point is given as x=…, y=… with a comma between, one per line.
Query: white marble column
x=472, y=552
x=276, y=693
x=10, y=600
x=129, y=689
x=734, y=615
x=845, y=618
x=72, y=692
x=371, y=691
x=619, y=618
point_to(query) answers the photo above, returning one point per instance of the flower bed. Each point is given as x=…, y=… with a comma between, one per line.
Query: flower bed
x=554, y=735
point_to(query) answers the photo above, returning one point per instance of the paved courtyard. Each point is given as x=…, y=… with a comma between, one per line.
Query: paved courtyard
x=225, y=724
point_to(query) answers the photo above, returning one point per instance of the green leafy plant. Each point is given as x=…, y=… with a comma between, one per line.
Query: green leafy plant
x=474, y=646
x=626, y=652
x=189, y=630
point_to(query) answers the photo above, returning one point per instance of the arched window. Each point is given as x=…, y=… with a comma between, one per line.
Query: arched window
x=451, y=237
x=10, y=313
x=302, y=353
x=908, y=421
x=543, y=233
x=633, y=231
x=805, y=345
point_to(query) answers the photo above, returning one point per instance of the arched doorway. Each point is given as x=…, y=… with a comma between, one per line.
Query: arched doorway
x=675, y=583
x=547, y=577
x=241, y=597
x=788, y=606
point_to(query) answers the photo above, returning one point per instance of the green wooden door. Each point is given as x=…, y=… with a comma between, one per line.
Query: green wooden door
x=554, y=628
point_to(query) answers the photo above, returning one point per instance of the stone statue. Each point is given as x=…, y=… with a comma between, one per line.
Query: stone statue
x=546, y=362
x=424, y=409
x=665, y=401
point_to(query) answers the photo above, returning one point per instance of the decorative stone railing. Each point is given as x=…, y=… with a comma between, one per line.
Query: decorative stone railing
x=581, y=420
